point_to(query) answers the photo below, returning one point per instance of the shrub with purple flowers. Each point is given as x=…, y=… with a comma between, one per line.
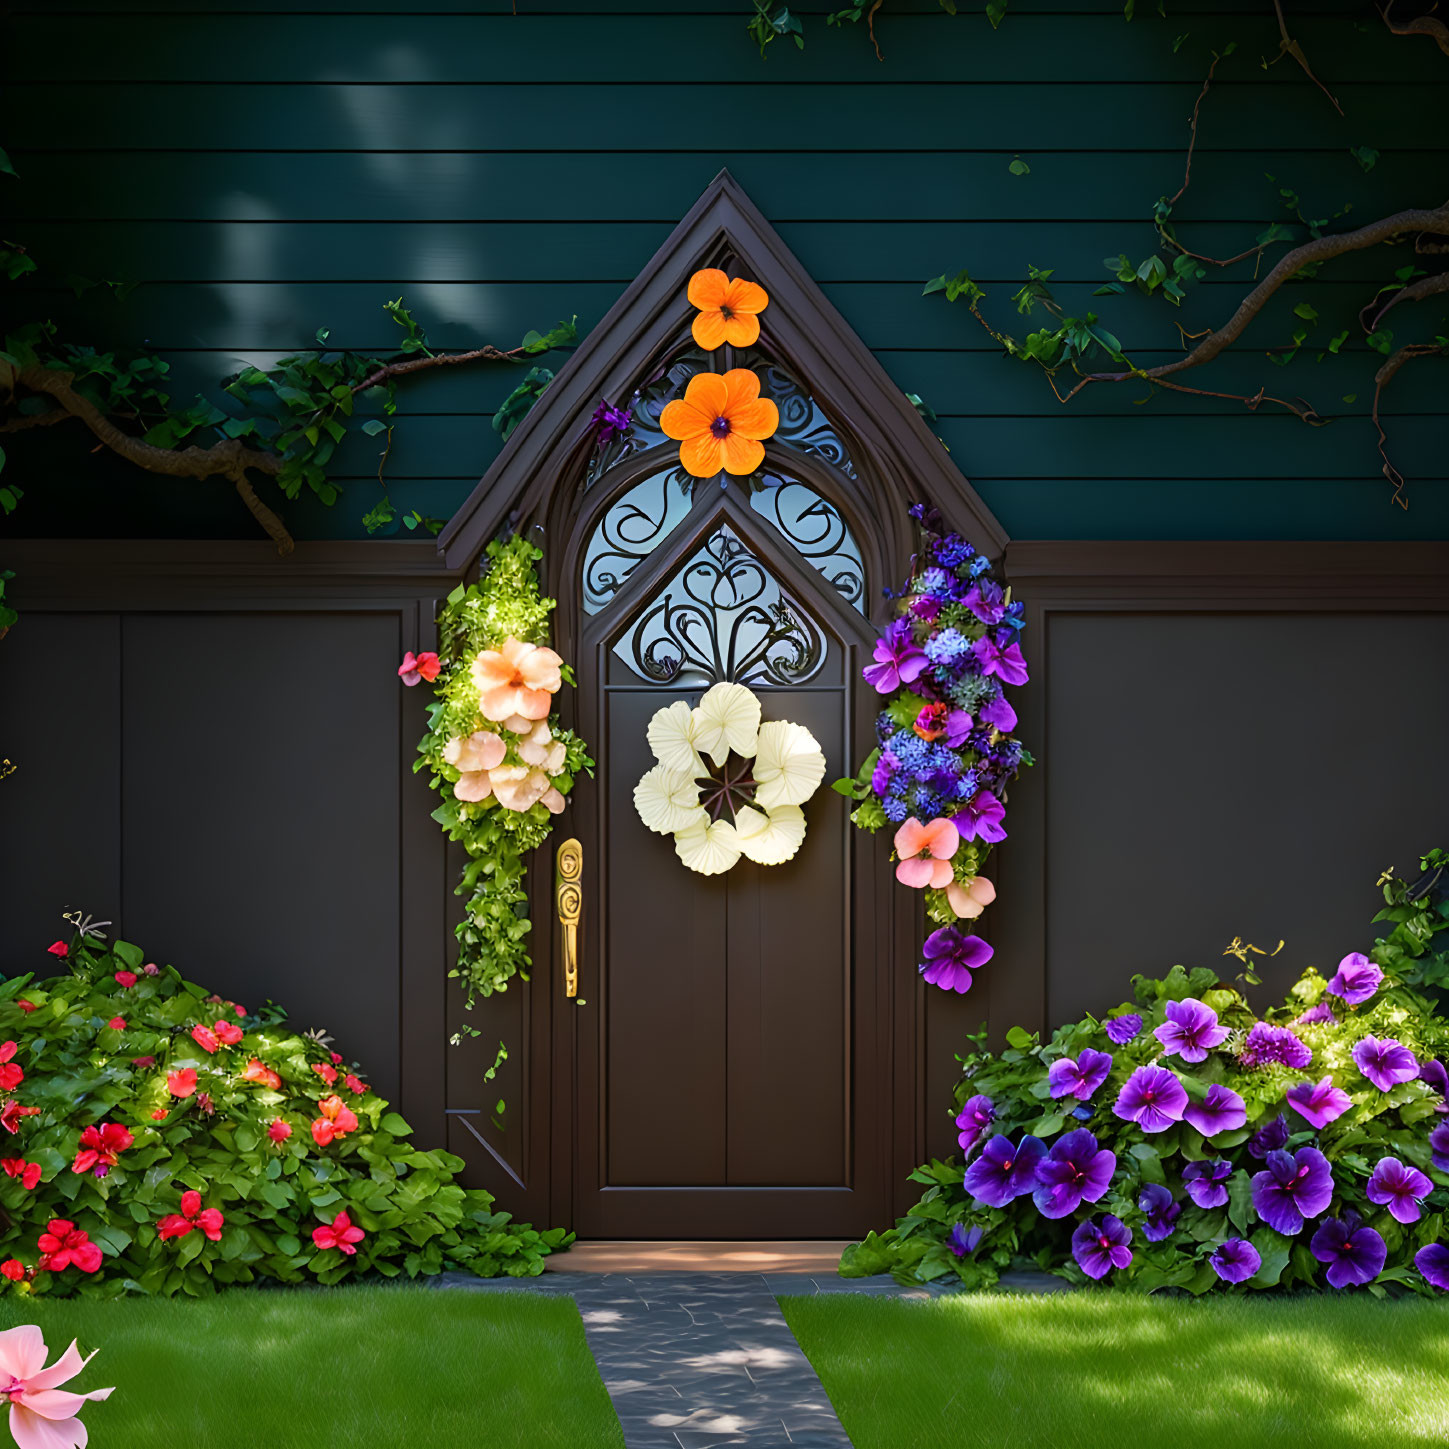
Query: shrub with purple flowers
x=945, y=752
x=1186, y=1140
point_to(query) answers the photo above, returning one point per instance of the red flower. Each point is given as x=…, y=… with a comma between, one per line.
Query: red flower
x=336, y=1059
x=63, y=1244
x=336, y=1121
x=354, y=1084
x=279, y=1131
x=228, y=1032
x=160, y=1114
x=126, y=978
x=11, y=1075
x=13, y=1269
x=182, y=1083
x=27, y=1172
x=420, y=666
x=117, y=1023
x=59, y=949
x=101, y=1147
x=192, y=1215
x=328, y=1074
x=258, y=1071
x=143, y=1061
x=339, y=1233
x=27, y=1007
x=204, y=1037
x=12, y=1109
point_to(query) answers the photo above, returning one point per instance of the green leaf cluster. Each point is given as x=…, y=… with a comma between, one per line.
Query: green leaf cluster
x=1414, y=957
x=96, y=1049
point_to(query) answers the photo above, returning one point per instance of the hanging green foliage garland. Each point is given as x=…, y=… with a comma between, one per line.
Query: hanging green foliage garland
x=499, y=758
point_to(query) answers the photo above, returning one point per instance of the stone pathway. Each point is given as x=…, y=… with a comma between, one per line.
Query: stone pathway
x=699, y=1360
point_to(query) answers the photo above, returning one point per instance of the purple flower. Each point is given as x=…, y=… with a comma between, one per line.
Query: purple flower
x=899, y=659
x=1431, y=1070
x=610, y=422
x=1236, y=1260
x=964, y=1241
x=1320, y=1015
x=987, y=601
x=1153, y=1098
x=1268, y=1138
x=1191, y=1030
x=973, y=1120
x=1221, y=1110
x=1082, y=1077
x=1400, y=1188
x=885, y=768
x=1439, y=1146
x=998, y=714
x=951, y=957
x=1003, y=1172
x=925, y=608
x=1121, y=1029
x=1205, y=1181
x=1161, y=1212
x=1318, y=1103
x=1433, y=1263
x=1267, y=1043
x=1100, y=1247
x=981, y=818
x=1073, y=1172
x=1357, y=979
x=1007, y=664
x=958, y=725
x=1354, y=1253
x=1295, y=1187
x=1385, y=1063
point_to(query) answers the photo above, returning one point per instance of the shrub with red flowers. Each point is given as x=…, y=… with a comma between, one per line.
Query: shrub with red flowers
x=157, y=1139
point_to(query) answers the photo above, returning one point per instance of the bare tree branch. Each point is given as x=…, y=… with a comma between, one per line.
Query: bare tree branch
x=1382, y=378
x=36, y=420
x=438, y=359
x=1414, y=292
x=1425, y=25
x=1288, y=46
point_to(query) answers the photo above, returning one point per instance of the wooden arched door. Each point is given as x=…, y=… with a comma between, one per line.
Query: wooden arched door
x=728, y=1074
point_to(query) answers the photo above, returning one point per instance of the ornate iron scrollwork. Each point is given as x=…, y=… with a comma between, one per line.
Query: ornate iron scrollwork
x=723, y=617
x=632, y=527
x=813, y=527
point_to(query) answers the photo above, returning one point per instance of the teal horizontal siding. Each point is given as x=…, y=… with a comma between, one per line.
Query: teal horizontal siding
x=262, y=172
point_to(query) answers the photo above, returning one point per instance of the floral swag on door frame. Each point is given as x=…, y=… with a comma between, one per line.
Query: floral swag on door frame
x=945, y=752
x=746, y=801
x=499, y=757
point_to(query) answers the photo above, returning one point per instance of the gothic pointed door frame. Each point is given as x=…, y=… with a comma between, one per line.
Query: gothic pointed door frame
x=581, y=1193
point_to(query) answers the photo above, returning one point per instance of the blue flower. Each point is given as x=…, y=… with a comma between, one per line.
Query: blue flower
x=947, y=646
x=895, y=810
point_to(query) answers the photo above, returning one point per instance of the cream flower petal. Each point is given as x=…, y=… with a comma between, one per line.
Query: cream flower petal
x=773, y=838
x=672, y=736
x=668, y=801
x=708, y=849
x=473, y=786
x=727, y=718
x=789, y=765
x=533, y=747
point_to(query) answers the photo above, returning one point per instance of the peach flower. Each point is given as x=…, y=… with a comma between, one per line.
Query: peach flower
x=518, y=679
x=925, y=852
x=538, y=747
x=969, y=900
x=474, y=756
x=518, y=787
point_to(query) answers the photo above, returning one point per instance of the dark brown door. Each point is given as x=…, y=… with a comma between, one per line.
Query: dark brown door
x=730, y=1063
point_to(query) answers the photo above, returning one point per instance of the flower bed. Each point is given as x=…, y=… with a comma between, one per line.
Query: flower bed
x=1182, y=1141
x=155, y=1138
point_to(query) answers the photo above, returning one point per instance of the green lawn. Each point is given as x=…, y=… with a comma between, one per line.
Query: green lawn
x=375, y=1368
x=1096, y=1370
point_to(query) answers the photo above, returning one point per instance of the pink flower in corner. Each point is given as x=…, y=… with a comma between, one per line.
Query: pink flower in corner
x=339, y=1234
x=419, y=666
x=59, y=948
x=42, y=1414
x=925, y=852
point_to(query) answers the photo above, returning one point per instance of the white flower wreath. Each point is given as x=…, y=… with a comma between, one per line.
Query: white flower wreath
x=760, y=777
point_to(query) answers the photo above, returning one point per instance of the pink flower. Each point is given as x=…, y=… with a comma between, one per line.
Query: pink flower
x=117, y=1023
x=192, y=1215
x=27, y=1172
x=328, y=1074
x=182, y=1083
x=143, y=1061
x=63, y=1244
x=127, y=978
x=336, y=1058
x=11, y=1074
x=339, y=1234
x=151, y=969
x=228, y=1032
x=27, y=1006
x=13, y=1269
x=42, y=1415
x=355, y=1084
x=204, y=1037
x=969, y=900
x=419, y=666
x=925, y=852
x=518, y=679
x=11, y=1110
x=279, y=1131
x=101, y=1147
x=336, y=1121
x=58, y=948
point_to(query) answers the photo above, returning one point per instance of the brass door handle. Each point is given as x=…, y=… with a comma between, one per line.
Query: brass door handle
x=569, y=899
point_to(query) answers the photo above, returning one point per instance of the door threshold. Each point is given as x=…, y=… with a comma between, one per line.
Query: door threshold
x=622, y=1256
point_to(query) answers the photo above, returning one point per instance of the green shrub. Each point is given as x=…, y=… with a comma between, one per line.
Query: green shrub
x=137, y=1102
x=1013, y=1094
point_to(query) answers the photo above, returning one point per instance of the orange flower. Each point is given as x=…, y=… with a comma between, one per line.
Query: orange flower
x=336, y=1121
x=257, y=1071
x=719, y=422
x=727, y=310
x=517, y=679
